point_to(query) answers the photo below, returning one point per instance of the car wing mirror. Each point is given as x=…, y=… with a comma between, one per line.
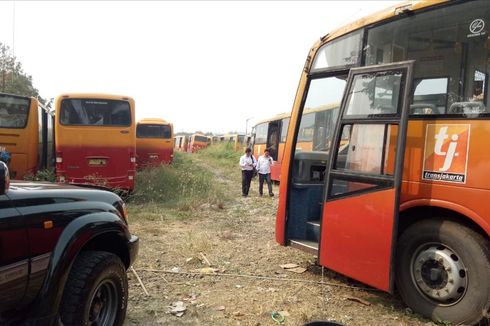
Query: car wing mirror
x=4, y=178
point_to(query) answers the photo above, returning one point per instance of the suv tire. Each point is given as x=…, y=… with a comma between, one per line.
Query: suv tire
x=96, y=291
x=442, y=271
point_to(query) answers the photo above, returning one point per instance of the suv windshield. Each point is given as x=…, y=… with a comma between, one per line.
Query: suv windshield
x=153, y=131
x=95, y=112
x=13, y=111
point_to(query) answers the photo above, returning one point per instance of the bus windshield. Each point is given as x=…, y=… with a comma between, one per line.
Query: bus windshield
x=13, y=111
x=95, y=112
x=153, y=131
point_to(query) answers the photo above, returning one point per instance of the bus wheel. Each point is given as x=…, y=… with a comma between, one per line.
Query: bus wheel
x=442, y=271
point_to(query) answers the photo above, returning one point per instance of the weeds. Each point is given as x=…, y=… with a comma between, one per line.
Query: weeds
x=183, y=186
x=222, y=154
x=42, y=175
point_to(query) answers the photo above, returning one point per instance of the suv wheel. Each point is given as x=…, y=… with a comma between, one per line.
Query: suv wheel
x=96, y=291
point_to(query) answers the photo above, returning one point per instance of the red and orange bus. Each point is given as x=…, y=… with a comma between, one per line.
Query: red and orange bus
x=96, y=140
x=154, y=142
x=197, y=142
x=26, y=132
x=181, y=143
x=399, y=196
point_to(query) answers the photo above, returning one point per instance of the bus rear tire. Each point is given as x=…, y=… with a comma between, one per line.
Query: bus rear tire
x=442, y=271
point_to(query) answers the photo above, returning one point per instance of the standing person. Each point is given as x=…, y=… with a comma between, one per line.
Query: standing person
x=247, y=163
x=264, y=168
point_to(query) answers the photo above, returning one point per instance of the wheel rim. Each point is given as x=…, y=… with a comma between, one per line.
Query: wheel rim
x=439, y=274
x=103, y=305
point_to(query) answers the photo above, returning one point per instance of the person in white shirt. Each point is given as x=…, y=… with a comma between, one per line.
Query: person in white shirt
x=264, y=164
x=247, y=164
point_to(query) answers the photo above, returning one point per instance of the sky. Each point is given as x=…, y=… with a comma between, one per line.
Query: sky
x=204, y=65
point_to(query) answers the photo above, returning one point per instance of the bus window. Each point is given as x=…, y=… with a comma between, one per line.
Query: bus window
x=316, y=128
x=306, y=128
x=153, y=131
x=430, y=96
x=284, y=129
x=345, y=51
x=95, y=112
x=451, y=67
x=13, y=112
x=261, y=133
x=373, y=94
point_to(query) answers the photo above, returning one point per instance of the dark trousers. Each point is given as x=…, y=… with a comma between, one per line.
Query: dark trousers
x=246, y=179
x=267, y=179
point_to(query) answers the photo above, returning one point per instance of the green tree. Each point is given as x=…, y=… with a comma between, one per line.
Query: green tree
x=13, y=79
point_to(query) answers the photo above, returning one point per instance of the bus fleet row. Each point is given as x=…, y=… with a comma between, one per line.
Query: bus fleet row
x=88, y=139
x=197, y=141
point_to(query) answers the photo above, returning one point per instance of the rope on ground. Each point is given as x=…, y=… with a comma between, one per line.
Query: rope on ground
x=259, y=277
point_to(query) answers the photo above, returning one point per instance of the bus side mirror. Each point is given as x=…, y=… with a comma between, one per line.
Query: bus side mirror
x=4, y=178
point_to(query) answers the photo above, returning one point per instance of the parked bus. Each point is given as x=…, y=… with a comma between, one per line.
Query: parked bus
x=181, y=143
x=154, y=142
x=404, y=200
x=312, y=134
x=96, y=140
x=197, y=142
x=26, y=133
x=271, y=133
x=238, y=141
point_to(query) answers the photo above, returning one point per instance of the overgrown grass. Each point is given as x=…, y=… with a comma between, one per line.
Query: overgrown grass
x=183, y=185
x=223, y=155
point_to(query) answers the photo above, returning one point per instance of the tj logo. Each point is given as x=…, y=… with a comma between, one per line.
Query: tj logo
x=446, y=152
x=451, y=151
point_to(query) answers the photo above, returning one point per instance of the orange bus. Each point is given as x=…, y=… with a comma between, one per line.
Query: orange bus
x=238, y=141
x=181, y=143
x=271, y=133
x=96, y=140
x=312, y=134
x=26, y=132
x=197, y=142
x=154, y=142
x=404, y=201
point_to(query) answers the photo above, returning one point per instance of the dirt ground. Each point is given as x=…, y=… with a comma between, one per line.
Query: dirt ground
x=238, y=242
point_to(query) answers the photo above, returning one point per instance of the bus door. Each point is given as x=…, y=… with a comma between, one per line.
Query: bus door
x=273, y=138
x=363, y=178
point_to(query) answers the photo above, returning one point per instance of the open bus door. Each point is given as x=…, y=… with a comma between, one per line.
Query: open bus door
x=360, y=210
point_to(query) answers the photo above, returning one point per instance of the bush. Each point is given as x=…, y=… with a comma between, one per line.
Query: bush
x=183, y=184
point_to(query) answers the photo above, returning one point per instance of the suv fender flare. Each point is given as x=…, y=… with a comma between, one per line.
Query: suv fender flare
x=75, y=235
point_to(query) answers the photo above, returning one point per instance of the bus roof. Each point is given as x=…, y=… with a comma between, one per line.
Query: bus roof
x=96, y=96
x=279, y=116
x=324, y=107
x=155, y=121
x=377, y=17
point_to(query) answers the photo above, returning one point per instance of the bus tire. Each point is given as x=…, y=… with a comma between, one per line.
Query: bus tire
x=96, y=291
x=442, y=271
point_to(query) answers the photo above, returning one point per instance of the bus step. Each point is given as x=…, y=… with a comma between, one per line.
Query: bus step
x=305, y=245
x=313, y=230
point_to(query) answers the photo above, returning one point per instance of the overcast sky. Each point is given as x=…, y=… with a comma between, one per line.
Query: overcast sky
x=202, y=65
